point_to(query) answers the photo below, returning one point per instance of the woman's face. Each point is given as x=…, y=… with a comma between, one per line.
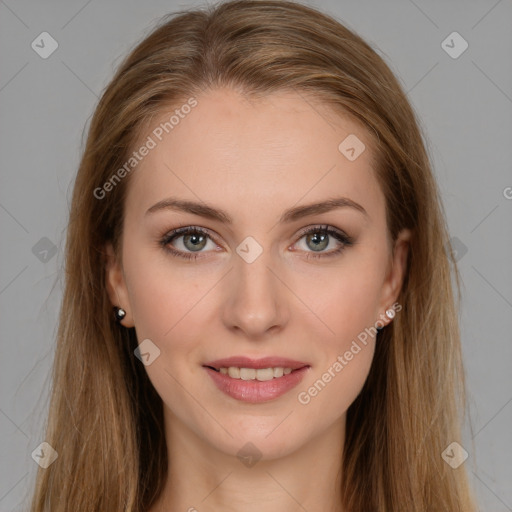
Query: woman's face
x=256, y=286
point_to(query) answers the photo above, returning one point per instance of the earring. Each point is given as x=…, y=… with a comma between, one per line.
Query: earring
x=120, y=314
x=390, y=313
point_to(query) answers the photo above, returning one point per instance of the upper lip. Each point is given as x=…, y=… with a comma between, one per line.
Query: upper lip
x=265, y=362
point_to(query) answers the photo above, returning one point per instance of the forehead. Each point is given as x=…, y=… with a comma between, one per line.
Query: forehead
x=248, y=154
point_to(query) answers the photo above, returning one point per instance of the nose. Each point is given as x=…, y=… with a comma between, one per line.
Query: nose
x=256, y=300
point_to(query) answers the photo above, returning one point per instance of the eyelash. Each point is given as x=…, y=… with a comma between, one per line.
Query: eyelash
x=345, y=240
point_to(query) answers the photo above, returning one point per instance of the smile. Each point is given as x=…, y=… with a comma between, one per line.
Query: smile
x=255, y=385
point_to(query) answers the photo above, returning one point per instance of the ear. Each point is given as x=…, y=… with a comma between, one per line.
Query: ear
x=395, y=276
x=116, y=286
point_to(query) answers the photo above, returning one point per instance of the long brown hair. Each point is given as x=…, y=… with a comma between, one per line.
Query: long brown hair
x=106, y=419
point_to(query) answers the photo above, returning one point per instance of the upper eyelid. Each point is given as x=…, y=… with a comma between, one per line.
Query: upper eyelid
x=322, y=227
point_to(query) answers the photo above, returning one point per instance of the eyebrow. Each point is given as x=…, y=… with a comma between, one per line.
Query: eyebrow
x=290, y=215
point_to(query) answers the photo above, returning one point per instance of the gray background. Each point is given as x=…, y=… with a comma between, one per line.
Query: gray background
x=465, y=108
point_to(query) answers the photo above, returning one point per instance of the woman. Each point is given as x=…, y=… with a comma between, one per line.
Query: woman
x=256, y=204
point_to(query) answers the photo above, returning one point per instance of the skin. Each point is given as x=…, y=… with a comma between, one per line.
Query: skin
x=255, y=159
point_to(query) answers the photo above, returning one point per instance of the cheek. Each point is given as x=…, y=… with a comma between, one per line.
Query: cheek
x=161, y=299
x=155, y=304
x=348, y=305
x=165, y=307
x=346, y=298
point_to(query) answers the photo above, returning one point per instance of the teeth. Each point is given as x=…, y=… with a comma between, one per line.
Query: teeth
x=260, y=374
x=247, y=373
x=234, y=372
x=264, y=374
x=278, y=372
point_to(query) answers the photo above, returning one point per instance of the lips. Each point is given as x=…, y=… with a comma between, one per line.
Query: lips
x=246, y=362
x=256, y=391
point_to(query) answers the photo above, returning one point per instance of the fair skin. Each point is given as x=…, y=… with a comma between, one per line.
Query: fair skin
x=254, y=160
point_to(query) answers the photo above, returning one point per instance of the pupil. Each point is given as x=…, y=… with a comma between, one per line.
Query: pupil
x=322, y=244
x=195, y=241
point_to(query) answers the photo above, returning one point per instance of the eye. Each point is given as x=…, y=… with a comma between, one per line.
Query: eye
x=194, y=239
x=318, y=238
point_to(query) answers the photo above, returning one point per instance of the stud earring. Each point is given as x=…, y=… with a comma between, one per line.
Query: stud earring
x=120, y=314
x=390, y=313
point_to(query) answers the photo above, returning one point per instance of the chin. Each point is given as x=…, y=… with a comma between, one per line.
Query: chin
x=263, y=440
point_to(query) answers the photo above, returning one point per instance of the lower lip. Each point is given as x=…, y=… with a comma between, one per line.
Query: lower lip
x=256, y=391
